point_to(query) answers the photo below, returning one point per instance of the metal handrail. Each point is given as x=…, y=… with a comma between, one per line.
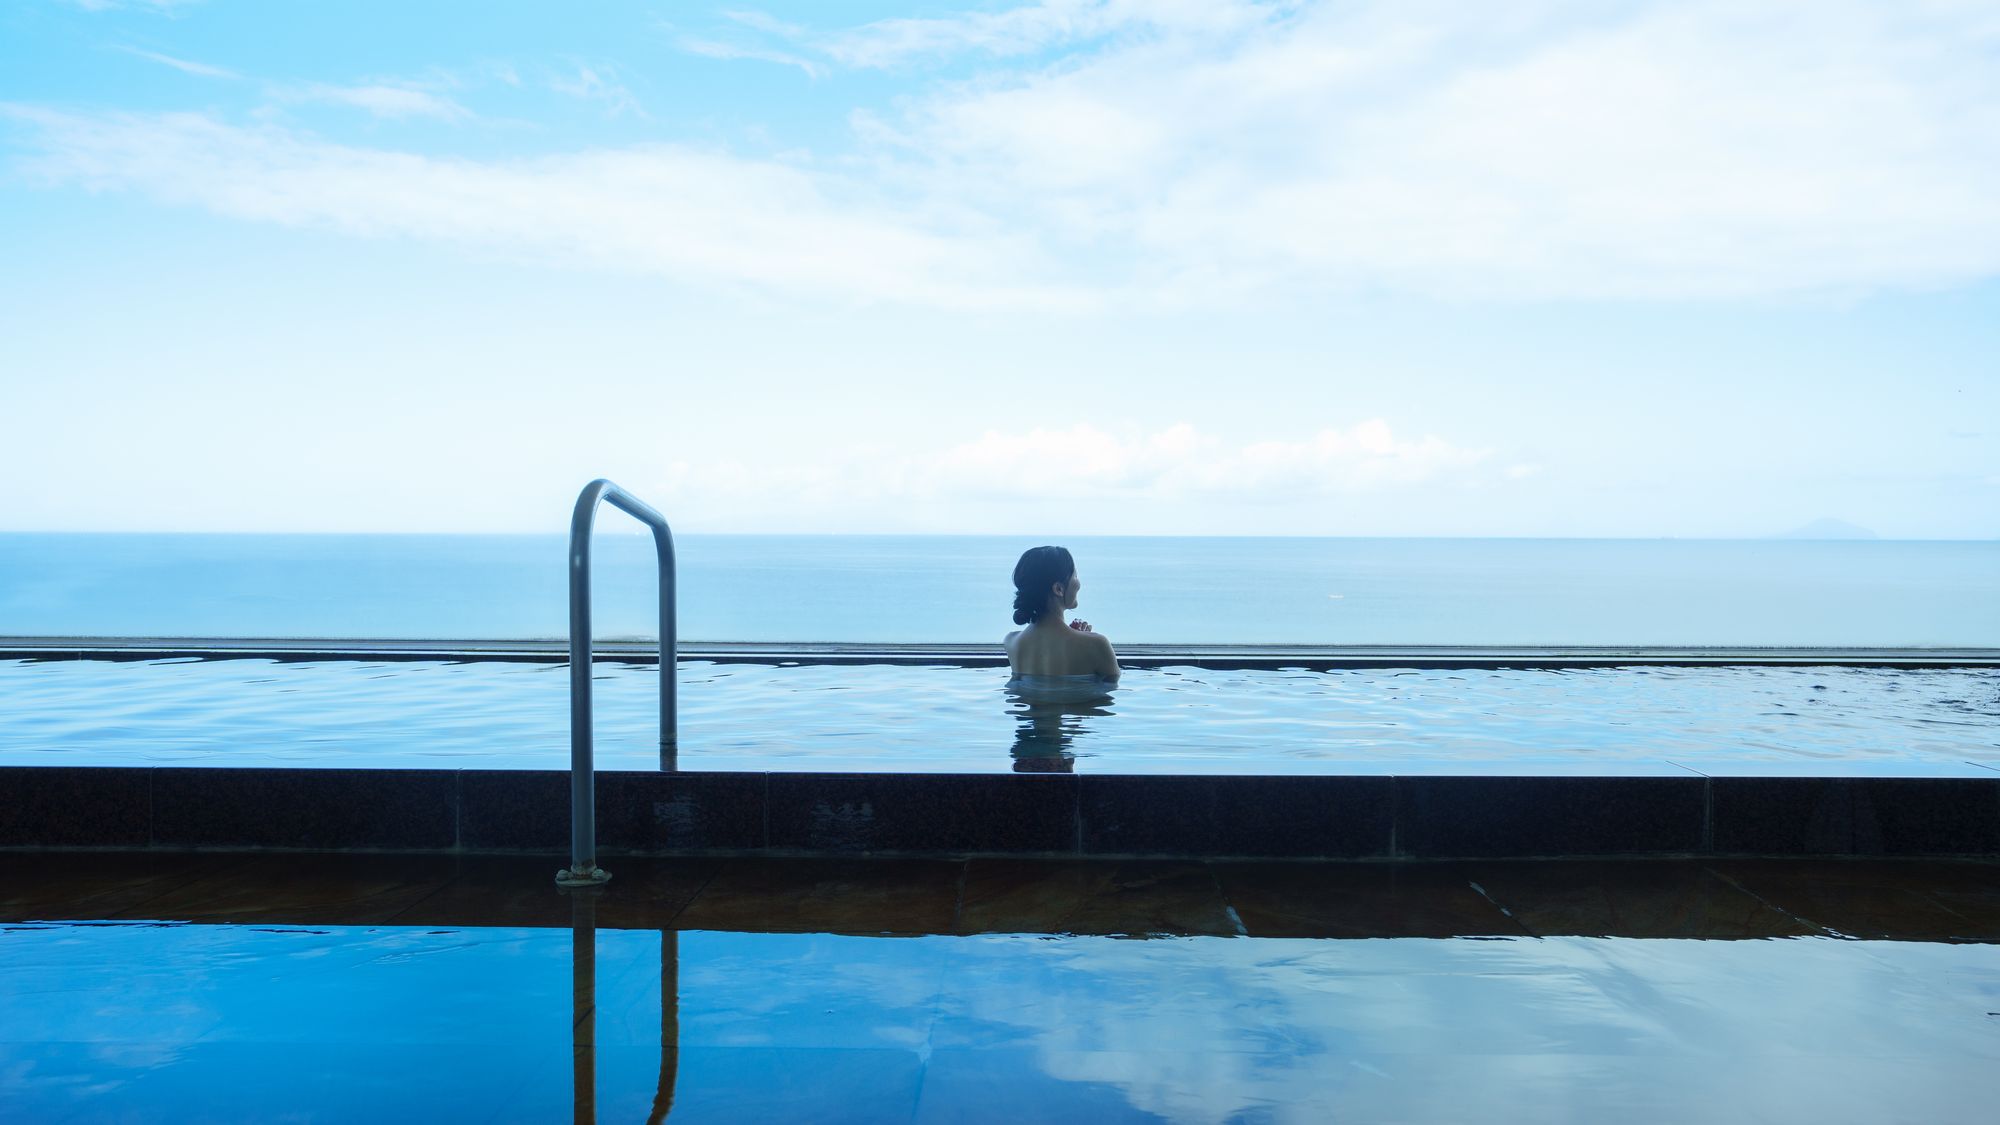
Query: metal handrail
x=583, y=869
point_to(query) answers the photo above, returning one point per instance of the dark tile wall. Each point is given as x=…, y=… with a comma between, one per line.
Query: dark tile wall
x=859, y=813
x=1452, y=817
x=414, y=810
x=1344, y=817
x=513, y=810
x=1333, y=817
x=1856, y=816
x=1926, y=816
x=75, y=806
x=676, y=812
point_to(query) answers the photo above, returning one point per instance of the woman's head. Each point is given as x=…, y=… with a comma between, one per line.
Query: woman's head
x=1044, y=573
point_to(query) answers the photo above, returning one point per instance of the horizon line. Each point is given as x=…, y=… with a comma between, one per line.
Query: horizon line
x=641, y=533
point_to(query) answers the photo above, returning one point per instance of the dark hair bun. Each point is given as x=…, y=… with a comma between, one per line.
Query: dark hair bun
x=1039, y=569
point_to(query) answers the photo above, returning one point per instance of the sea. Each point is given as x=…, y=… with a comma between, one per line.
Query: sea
x=957, y=589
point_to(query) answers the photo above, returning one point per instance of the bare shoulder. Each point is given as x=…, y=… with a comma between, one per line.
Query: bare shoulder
x=1102, y=655
x=1011, y=638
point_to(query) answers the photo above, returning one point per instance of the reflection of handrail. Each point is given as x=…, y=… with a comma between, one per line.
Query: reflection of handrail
x=583, y=1013
x=670, y=1026
x=583, y=1004
x=583, y=869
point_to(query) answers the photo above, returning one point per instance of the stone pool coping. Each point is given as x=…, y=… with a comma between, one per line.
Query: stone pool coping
x=1384, y=817
x=1315, y=657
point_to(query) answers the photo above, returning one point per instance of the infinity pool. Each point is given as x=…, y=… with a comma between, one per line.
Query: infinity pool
x=886, y=717
x=348, y=1023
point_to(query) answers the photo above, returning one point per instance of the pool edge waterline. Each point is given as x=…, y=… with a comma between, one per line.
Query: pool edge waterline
x=1216, y=656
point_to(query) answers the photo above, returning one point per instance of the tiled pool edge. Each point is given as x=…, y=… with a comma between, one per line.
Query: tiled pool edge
x=1093, y=815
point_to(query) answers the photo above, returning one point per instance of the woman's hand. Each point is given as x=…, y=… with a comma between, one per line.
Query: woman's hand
x=1080, y=626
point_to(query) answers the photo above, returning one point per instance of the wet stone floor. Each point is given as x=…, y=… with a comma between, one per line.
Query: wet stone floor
x=254, y=988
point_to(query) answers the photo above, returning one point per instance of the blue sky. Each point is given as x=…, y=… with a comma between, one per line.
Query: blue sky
x=1688, y=269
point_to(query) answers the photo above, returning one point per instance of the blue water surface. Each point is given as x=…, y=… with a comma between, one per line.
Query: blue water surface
x=130, y=1022
x=448, y=714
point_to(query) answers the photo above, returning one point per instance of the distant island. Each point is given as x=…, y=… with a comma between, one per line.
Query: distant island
x=1829, y=529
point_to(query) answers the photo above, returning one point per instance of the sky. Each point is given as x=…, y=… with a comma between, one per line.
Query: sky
x=1078, y=267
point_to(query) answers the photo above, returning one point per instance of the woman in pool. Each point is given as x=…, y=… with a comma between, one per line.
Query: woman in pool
x=1045, y=585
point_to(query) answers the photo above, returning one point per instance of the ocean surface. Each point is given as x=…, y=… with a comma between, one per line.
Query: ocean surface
x=957, y=589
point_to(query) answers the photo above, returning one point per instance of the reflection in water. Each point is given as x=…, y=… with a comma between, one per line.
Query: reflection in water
x=583, y=1011
x=670, y=1026
x=1049, y=712
x=583, y=1004
x=149, y=1021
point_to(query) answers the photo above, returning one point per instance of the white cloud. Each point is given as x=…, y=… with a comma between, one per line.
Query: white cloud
x=715, y=49
x=1684, y=150
x=183, y=65
x=1180, y=461
x=598, y=84
x=1010, y=32
x=1084, y=462
x=695, y=216
x=1031, y=28
x=165, y=7
x=1201, y=153
x=760, y=21
x=1690, y=150
x=378, y=98
x=1052, y=463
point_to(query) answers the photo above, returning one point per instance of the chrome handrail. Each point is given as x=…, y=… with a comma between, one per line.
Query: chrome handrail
x=583, y=869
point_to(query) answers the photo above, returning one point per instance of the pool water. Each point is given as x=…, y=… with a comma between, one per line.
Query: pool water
x=226, y=712
x=227, y=1023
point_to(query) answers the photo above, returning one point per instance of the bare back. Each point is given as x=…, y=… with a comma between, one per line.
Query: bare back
x=1058, y=650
